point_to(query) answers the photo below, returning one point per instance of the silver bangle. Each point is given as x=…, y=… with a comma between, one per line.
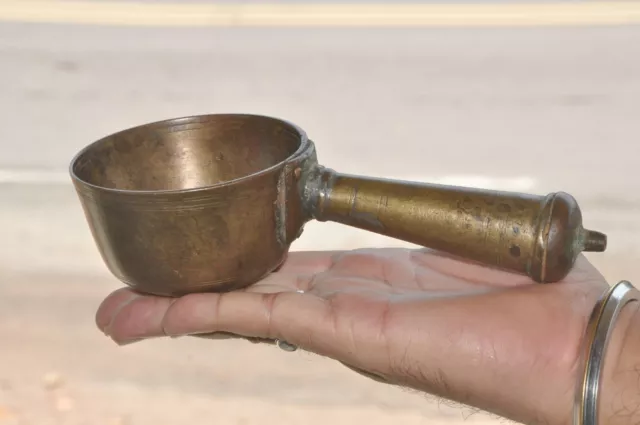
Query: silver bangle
x=596, y=340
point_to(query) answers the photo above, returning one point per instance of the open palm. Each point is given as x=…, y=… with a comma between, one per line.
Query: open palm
x=416, y=318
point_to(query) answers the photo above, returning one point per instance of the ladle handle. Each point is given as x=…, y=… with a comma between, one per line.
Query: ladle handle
x=539, y=236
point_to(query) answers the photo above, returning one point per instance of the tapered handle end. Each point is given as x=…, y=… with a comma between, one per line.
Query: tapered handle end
x=561, y=238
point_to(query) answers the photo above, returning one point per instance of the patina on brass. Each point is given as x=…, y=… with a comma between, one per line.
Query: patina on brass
x=213, y=202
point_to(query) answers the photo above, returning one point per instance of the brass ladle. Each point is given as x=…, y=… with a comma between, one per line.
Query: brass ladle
x=213, y=202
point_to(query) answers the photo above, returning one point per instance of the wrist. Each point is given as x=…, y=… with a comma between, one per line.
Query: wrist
x=619, y=394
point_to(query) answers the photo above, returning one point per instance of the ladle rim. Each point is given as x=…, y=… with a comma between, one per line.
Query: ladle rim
x=304, y=143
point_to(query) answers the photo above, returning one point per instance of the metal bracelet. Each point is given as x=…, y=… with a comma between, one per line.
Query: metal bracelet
x=602, y=321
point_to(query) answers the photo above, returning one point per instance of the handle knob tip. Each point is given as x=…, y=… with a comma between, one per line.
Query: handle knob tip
x=594, y=241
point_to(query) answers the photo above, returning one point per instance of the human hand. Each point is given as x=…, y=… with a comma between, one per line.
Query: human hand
x=478, y=336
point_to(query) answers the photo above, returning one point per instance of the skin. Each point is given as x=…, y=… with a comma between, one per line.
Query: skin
x=474, y=335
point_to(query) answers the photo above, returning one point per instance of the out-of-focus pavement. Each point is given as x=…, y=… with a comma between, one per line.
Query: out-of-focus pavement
x=532, y=109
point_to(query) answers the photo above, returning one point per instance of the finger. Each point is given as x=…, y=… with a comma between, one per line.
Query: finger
x=296, y=273
x=133, y=317
x=445, y=269
x=308, y=262
x=282, y=282
x=300, y=319
x=111, y=305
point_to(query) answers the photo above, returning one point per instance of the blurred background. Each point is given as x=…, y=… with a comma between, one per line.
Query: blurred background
x=533, y=97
